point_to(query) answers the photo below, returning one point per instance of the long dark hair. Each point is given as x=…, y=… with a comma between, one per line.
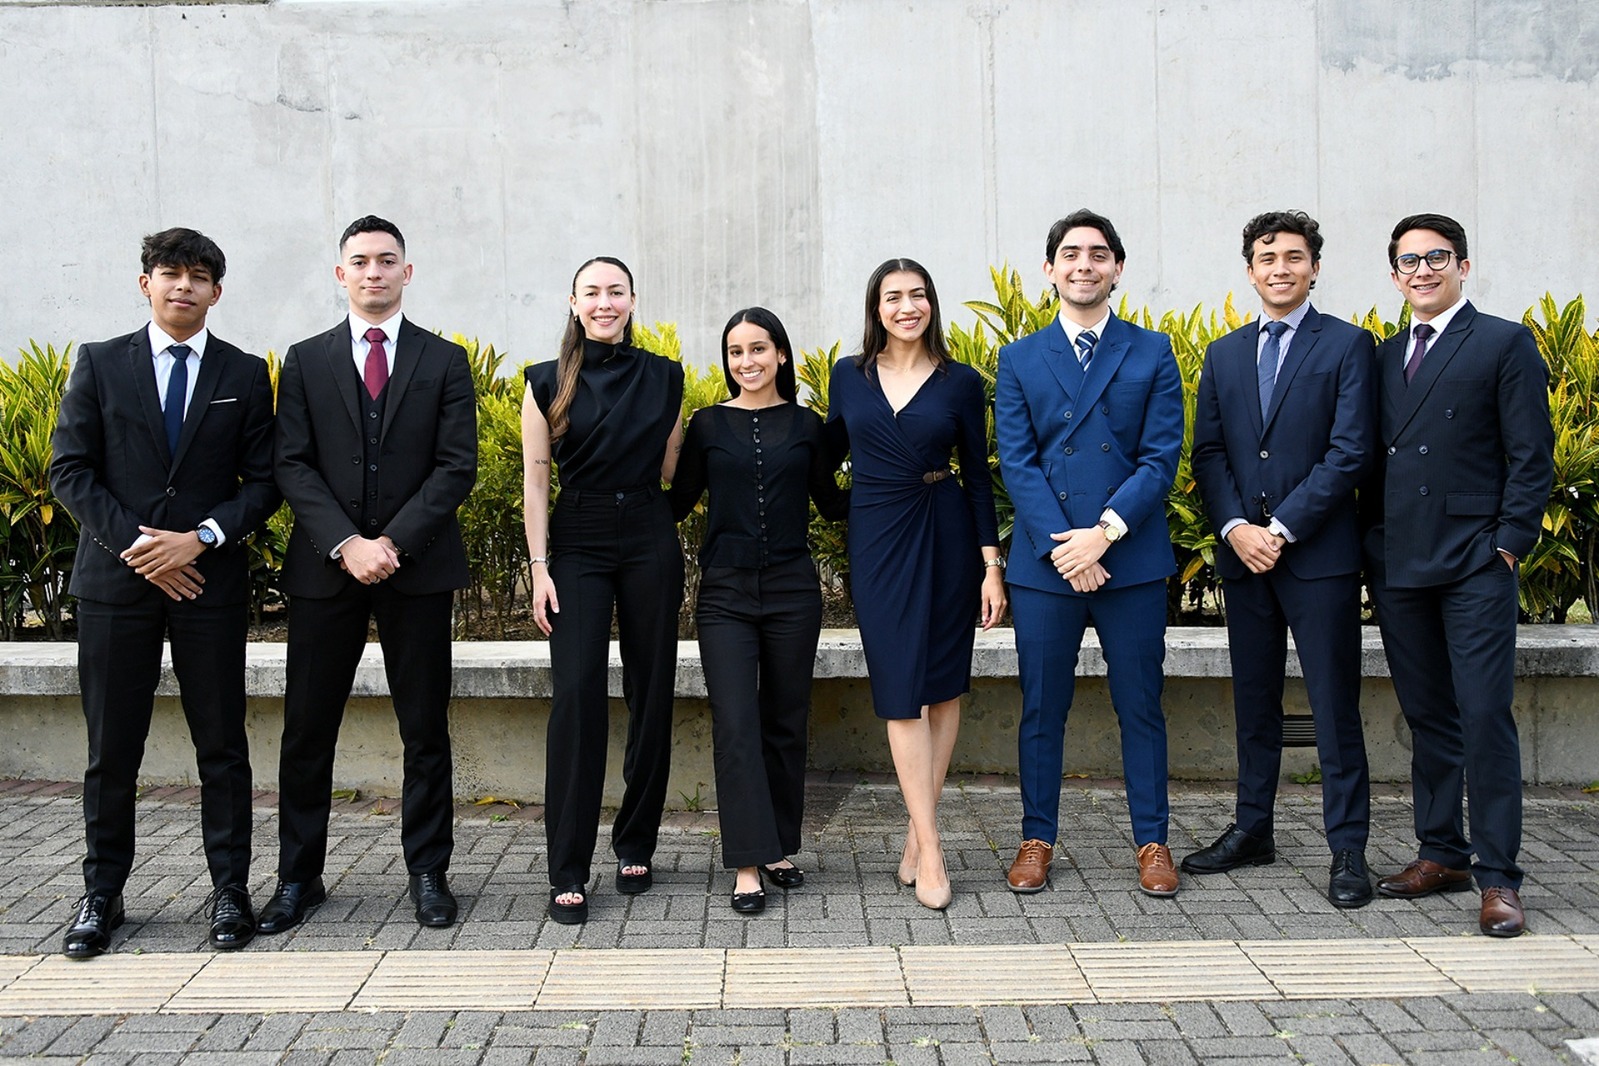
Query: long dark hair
x=570, y=363
x=875, y=336
x=761, y=317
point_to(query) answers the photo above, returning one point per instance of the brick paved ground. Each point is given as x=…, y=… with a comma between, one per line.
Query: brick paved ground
x=851, y=899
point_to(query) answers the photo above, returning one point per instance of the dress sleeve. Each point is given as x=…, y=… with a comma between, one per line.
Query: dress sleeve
x=832, y=502
x=688, y=483
x=971, y=446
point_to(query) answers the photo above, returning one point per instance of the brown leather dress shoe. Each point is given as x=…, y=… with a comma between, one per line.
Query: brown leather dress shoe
x=1501, y=912
x=1421, y=878
x=1156, y=874
x=1030, y=872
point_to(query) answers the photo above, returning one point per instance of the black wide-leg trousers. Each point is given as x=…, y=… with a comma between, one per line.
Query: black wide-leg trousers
x=610, y=550
x=758, y=632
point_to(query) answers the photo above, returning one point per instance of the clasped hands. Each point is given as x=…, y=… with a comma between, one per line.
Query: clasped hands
x=166, y=560
x=1258, y=547
x=369, y=560
x=1076, y=557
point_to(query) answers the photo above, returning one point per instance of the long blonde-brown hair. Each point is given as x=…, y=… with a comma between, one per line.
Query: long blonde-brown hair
x=570, y=363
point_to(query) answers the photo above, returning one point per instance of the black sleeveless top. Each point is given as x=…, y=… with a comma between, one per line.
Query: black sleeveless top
x=627, y=400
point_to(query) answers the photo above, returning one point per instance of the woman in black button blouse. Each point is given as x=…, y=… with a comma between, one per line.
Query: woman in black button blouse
x=762, y=456
x=610, y=415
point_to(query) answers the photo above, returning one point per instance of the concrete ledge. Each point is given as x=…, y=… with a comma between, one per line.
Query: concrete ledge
x=502, y=694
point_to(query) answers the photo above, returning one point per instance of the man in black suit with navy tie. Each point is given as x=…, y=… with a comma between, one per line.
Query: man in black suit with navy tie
x=163, y=453
x=1284, y=432
x=376, y=450
x=1465, y=467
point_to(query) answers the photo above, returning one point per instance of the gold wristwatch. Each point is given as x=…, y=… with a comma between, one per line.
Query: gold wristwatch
x=1112, y=534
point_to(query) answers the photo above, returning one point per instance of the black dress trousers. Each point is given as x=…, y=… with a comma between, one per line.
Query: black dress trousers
x=758, y=633
x=610, y=550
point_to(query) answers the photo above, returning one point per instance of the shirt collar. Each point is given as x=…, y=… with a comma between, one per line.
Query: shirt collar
x=1440, y=322
x=390, y=327
x=1073, y=329
x=1292, y=319
x=160, y=342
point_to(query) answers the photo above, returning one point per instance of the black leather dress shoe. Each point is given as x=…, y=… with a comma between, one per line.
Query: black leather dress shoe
x=748, y=902
x=232, y=918
x=435, y=906
x=1234, y=848
x=784, y=877
x=286, y=909
x=90, y=932
x=1349, y=882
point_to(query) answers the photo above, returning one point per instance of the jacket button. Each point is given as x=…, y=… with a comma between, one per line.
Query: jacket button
x=1105, y=410
x=1068, y=450
x=1422, y=449
x=1392, y=449
x=1068, y=416
x=355, y=503
x=1424, y=490
x=1060, y=495
x=1264, y=454
x=1449, y=412
x=171, y=491
x=355, y=458
x=1104, y=447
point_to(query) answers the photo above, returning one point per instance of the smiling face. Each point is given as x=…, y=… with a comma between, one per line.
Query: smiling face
x=180, y=297
x=903, y=305
x=1430, y=291
x=1282, y=269
x=603, y=300
x=752, y=361
x=1084, y=270
x=374, y=273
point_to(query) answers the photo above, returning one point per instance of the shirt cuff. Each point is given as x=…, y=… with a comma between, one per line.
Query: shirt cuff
x=338, y=549
x=140, y=539
x=211, y=524
x=1278, y=529
x=1231, y=525
x=1115, y=520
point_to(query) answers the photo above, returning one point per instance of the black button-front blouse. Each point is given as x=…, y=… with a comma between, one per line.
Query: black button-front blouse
x=761, y=467
x=627, y=400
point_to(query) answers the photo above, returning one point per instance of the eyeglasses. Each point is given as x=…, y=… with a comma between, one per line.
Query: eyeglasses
x=1436, y=259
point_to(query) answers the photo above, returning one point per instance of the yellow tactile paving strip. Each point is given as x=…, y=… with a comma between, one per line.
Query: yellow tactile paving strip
x=578, y=979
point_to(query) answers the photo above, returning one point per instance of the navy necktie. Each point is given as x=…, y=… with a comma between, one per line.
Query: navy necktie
x=177, y=388
x=1085, y=347
x=1422, y=333
x=1270, y=355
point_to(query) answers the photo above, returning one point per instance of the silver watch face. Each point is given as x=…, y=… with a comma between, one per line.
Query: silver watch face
x=207, y=536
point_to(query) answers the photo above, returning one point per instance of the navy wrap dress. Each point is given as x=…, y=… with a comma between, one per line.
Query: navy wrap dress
x=916, y=530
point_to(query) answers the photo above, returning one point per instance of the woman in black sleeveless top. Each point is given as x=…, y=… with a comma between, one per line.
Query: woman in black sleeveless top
x=610, y=415
x=762, y=456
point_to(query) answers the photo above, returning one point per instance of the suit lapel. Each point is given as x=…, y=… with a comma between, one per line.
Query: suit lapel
x=336, y=349
x=1062, y=364
x=205, y=387
x=1235, y=372
x=1299, y=349
x=1433, y=364
x=408, y=348
x=141, y=369
x=1108, y=355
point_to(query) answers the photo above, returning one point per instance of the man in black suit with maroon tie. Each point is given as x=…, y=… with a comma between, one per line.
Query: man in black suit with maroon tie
x=376, y=450
x=1465, y=466
x=163, y=453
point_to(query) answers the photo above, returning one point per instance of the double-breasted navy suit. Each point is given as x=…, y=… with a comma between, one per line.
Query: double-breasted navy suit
x=1299, y=462
x=1073, y=443
x=112, y=469
x=1464, y=470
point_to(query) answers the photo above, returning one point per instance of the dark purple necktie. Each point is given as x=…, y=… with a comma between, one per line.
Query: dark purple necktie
x=1419, y=349
x=377, y=363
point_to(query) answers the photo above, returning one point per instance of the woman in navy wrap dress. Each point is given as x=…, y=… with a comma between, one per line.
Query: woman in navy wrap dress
x=923, y=541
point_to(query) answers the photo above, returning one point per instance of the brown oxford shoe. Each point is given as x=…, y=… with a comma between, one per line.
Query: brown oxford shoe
x=1501, y=912
x=1421, y=878
x=1156, y=874
x=1030, y=872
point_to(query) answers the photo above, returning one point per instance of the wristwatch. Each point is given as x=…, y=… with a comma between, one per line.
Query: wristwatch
x=207, y=535
x=1112, y=534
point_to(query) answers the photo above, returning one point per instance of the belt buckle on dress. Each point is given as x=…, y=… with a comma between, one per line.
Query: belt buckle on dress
x=932, y=477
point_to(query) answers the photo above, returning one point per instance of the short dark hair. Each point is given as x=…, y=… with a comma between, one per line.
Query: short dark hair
x=181, y=247
x=761, y=317
x=1443, y=225
x=371, y=224
x=1084, y=217
x=1265, y=227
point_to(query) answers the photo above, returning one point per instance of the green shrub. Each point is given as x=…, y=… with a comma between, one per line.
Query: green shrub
x=38, y=538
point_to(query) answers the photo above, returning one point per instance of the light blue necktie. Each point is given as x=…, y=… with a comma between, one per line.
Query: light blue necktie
x=177, y=386
x=1266, y=370
x=1085, y=347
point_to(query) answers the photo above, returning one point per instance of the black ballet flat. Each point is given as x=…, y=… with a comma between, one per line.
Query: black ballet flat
x=569, y=913
x=784, y=877
x=633, y=884
x=748, y=902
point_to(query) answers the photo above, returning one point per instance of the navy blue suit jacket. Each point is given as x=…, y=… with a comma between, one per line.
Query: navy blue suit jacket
x=1072, y=444
x=1466, y=456
x=1305, y=459
x=111, y=468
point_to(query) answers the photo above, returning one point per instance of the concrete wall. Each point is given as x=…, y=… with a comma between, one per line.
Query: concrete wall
x=774, y=151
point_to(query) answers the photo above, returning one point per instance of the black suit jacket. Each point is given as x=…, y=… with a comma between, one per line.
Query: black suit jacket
x=112, y=470
x=1466, y=456
x=428, y=438
x=1305, y=458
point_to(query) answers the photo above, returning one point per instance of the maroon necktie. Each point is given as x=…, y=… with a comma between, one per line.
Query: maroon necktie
x=377, y=364
x=1418, y=350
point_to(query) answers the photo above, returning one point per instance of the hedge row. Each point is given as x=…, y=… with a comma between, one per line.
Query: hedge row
x=38, y=537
